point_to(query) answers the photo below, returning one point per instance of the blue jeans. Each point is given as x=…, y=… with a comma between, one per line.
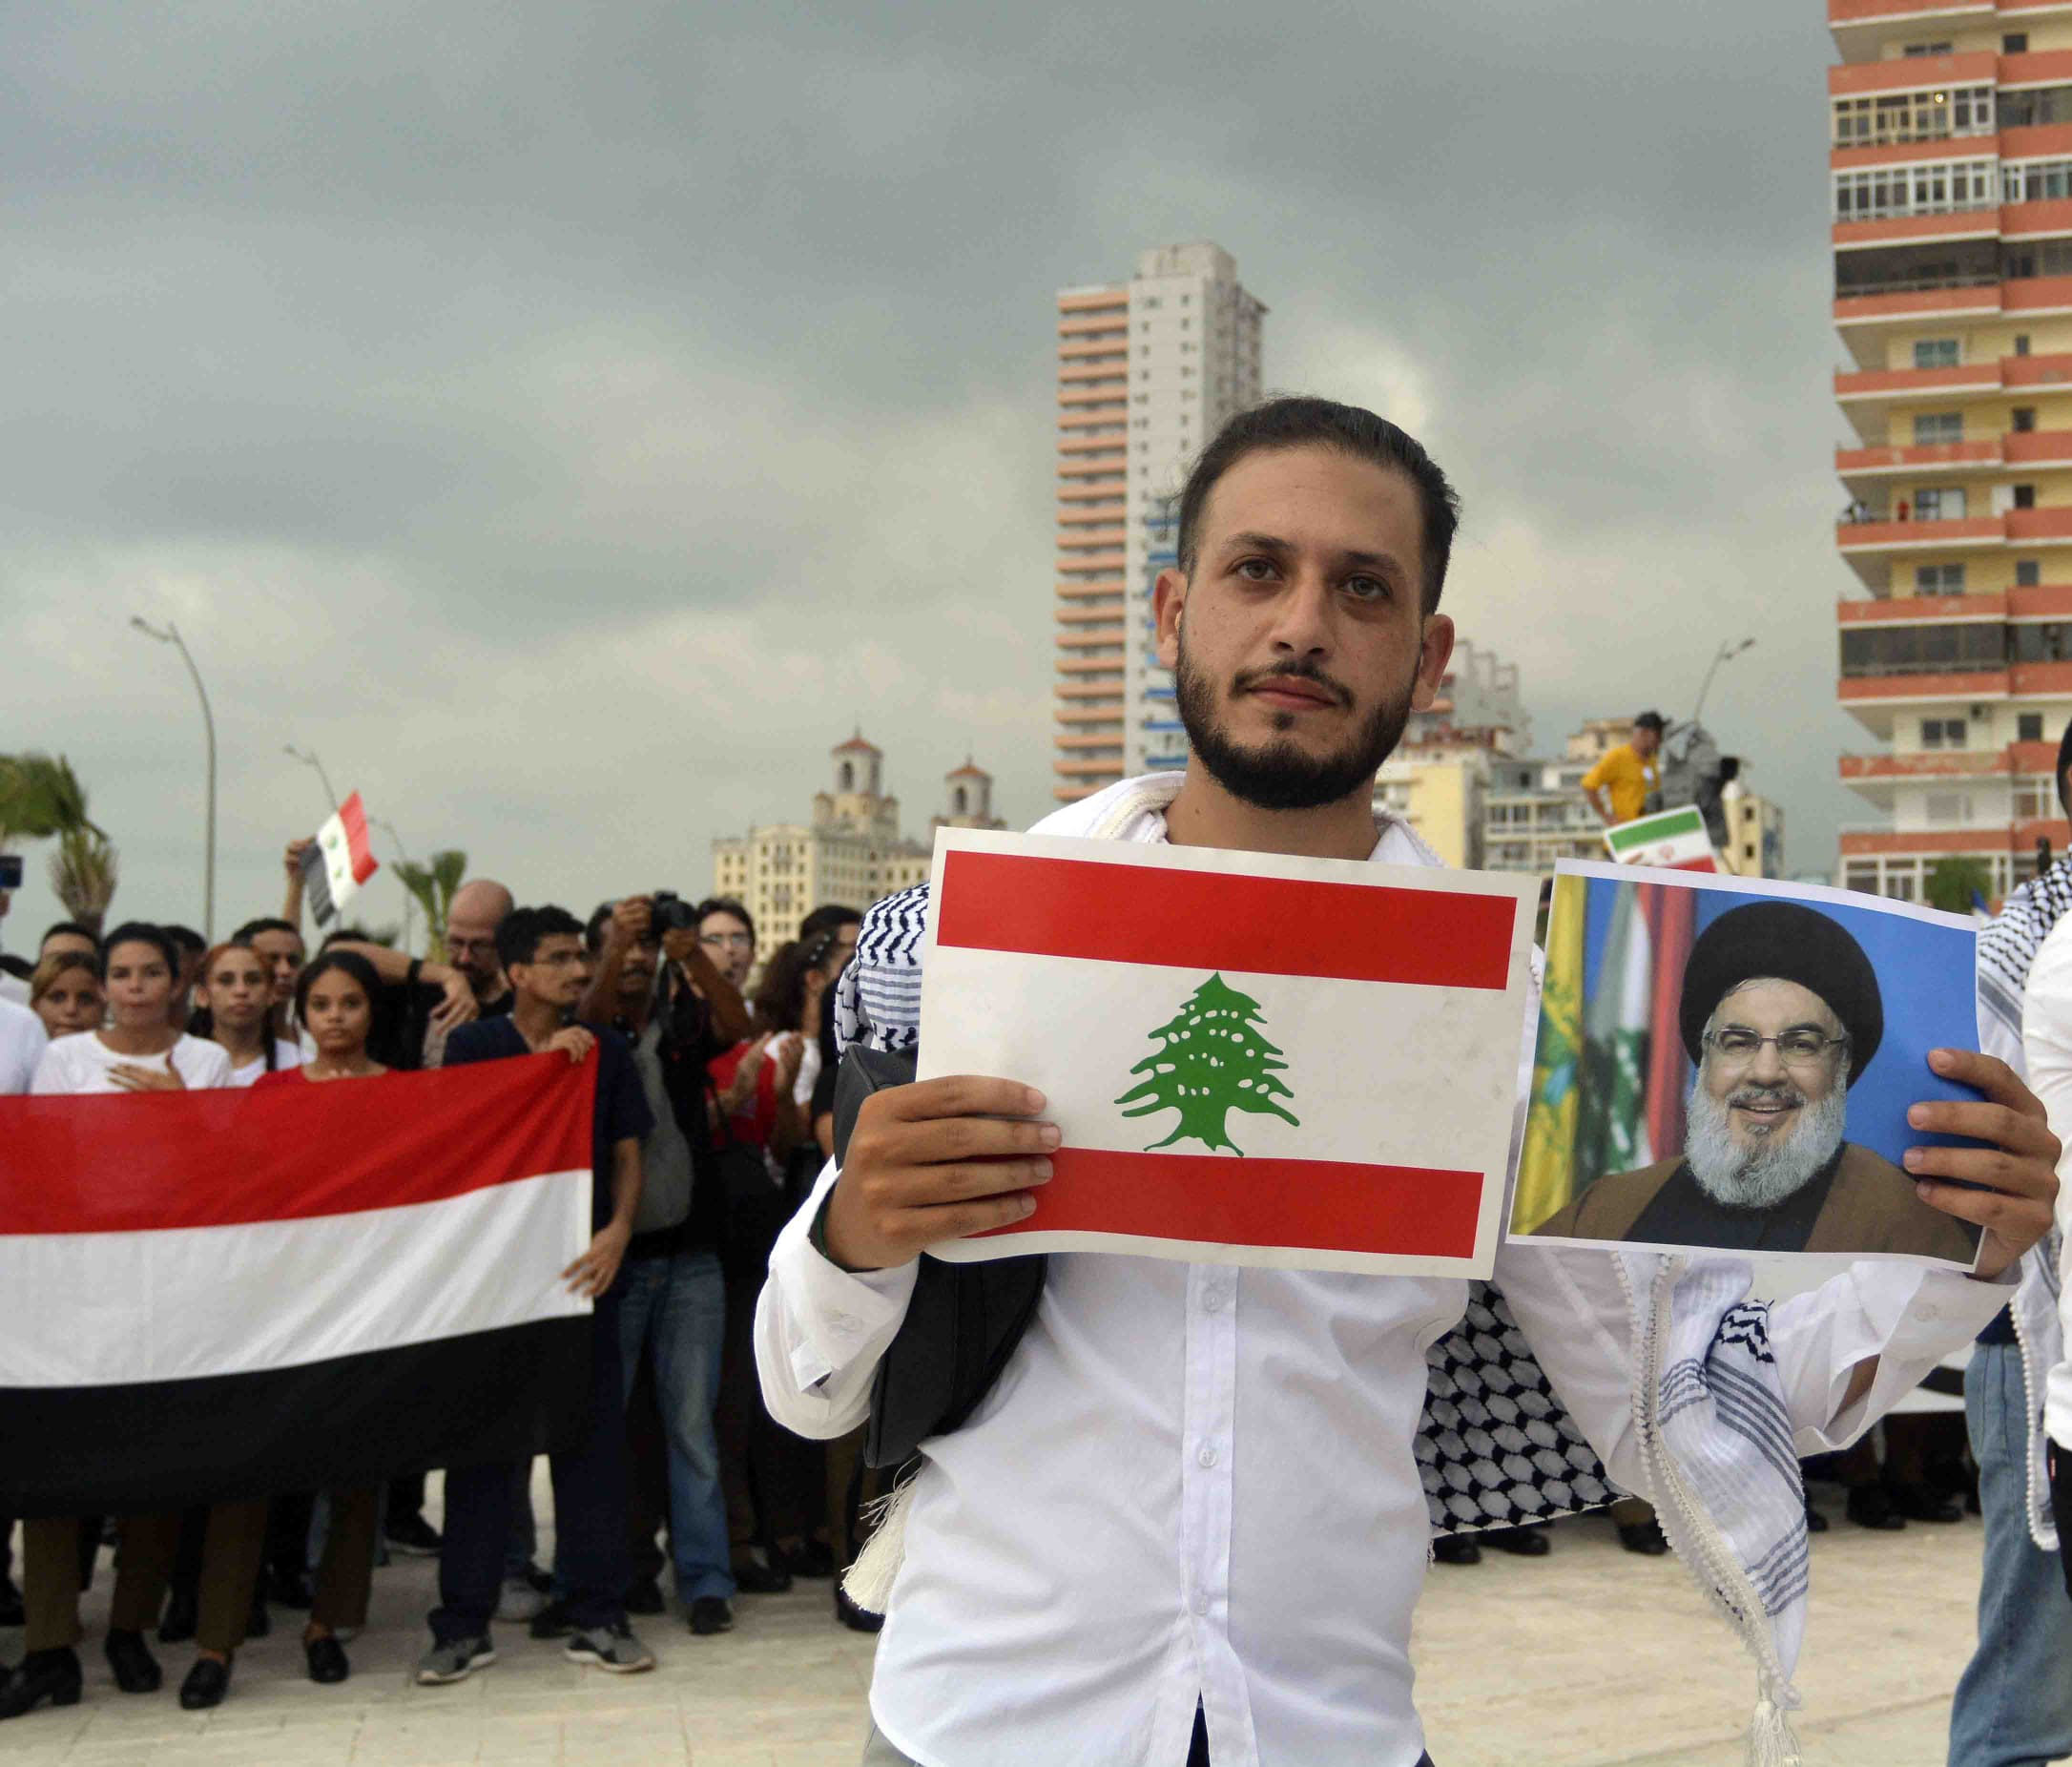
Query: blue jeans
x=675, y=1310
x=2014, y=1702
x=590, y=1510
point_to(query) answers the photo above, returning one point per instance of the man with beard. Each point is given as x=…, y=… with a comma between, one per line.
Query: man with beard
x=1186, y=1523
x=1780, y=1012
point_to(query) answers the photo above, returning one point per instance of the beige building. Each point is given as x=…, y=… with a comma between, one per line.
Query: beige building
x=1755, y=833
x=850, y=852
x=1438, y=787
x=1148, y=371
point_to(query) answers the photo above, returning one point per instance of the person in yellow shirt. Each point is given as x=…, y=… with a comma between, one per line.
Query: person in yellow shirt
x=1628, y=772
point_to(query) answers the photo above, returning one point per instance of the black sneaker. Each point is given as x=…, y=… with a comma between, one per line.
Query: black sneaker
x=206, y=1684
x=412, y=1535
x=1455, y=1550
x=1519, y=1542
x=1644, y=1538
x=137, y=1670
x=613, y=1649
x=454, y=1660
x=552, y=1621
x=710, y=1614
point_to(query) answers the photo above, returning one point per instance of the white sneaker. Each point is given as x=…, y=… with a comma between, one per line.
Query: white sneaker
x=518, y=1601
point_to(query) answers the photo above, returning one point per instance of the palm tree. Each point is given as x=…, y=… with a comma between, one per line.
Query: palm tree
x=432, y=886
x=83, y=875
x=41, y=799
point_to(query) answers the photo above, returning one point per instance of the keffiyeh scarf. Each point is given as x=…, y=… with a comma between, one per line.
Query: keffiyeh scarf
x=1495, y=1447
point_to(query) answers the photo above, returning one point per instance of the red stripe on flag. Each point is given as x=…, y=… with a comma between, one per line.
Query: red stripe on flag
x=277, y=1153
x=1316, y=1204
x=1202, y=920
x=355, y=819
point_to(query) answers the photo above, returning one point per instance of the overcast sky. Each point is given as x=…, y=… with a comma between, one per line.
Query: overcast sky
x=567, y=420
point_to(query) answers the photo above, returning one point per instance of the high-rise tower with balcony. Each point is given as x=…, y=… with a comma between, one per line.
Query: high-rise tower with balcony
x=1951, y=168
x=1148, y=370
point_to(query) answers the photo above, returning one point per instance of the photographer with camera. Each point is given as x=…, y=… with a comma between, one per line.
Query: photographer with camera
x=654, y=981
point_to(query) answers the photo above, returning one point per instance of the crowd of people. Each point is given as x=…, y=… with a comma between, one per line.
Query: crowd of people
x=712, y=1116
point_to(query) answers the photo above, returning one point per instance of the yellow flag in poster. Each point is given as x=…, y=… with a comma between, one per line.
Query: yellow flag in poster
x=1546, y=1166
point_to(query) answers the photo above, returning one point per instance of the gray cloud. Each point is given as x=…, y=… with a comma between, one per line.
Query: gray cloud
x=567, y=420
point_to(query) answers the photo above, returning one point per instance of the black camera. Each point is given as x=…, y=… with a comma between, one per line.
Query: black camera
x=670, y=912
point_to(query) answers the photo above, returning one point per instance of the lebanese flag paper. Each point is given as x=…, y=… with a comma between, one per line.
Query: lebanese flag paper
x=1674, y=840
x=1308, y=1064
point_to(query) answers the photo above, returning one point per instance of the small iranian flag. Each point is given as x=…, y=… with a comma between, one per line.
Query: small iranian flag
x=339, y=860
x=1675, y=839
x=1309, y=1064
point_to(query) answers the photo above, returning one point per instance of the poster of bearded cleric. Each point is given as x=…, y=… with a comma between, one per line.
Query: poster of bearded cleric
x=1726, y=1064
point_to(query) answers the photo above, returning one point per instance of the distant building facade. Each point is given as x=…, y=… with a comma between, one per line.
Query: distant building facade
x=850, y=852
x=1755, y=832
x=1437, y=779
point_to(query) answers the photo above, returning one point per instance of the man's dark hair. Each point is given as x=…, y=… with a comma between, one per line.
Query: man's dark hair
x=191, y=942
x=267, y=923
x=519, y=937
x=143, y=932
x=593, y=928
x=19, y=967
x=2064, y=761
x=827, y=918
x=724, y=904
x=1321, y=423
x=1648, y=721
x=55, y=927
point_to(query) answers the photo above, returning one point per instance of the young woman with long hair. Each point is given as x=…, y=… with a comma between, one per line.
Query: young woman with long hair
x=236, y=994
x=334, y=1004
x=138, y=1051
x=66, y=994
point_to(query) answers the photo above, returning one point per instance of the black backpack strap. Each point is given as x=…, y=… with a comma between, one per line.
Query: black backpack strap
x=962, y=1321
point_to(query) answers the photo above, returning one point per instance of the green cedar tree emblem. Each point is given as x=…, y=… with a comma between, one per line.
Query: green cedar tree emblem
x=1214, y=1060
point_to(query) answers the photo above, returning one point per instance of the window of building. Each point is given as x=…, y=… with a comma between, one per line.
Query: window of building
x=1932, y=427
x=2038, y=106
x=2014, y=43
x=1939, y=352
x=2022, y=420
x=1938, y=579
x=2025, y=496
x=1862, y=879
x=2028, y=573
x=2042, y=640
x=1930, y=187
x=1938, y=503
x=2052, y=257
x=2037, y=180
x=2028, y=727
x=1931, y=115
x=2022, y=344
x=1942, y=733
x=2033, y=800
x=1945, y=648
x=1916, y=50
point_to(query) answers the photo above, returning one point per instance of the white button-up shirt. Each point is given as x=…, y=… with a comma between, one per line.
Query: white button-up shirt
x=1193, y=1482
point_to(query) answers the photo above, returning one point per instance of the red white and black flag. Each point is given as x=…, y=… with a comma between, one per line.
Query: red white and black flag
x=1309, y=1064
x=338, y=862
x=222, y=1293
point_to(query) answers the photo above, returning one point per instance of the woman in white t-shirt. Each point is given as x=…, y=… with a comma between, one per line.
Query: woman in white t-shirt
x=138, y=1051
x=235, y=992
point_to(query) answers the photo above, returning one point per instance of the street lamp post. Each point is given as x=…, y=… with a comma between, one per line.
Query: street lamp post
x=170, y=633
x=308, y=758
x=1726, y=653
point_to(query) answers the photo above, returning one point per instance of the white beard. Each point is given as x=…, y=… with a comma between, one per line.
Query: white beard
x=1760, y=1176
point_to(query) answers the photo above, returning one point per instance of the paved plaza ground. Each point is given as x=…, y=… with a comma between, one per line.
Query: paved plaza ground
x=1585, y=1659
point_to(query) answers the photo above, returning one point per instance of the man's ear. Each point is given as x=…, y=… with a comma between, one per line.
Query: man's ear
x=1434, y=651
x=1169, y=601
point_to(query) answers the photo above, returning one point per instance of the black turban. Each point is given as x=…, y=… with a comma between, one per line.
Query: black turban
x=1794, y=944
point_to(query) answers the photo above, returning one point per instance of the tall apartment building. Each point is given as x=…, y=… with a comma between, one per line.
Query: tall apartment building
x=1440, y=773
x=1951, y=168
x=1148, y=370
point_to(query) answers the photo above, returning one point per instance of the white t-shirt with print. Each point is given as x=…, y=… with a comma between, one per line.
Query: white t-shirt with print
x=22, y=1041
x=286, y=1055
x=82, y=1063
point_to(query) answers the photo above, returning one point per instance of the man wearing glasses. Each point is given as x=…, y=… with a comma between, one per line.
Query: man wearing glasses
x=1781, y=1011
